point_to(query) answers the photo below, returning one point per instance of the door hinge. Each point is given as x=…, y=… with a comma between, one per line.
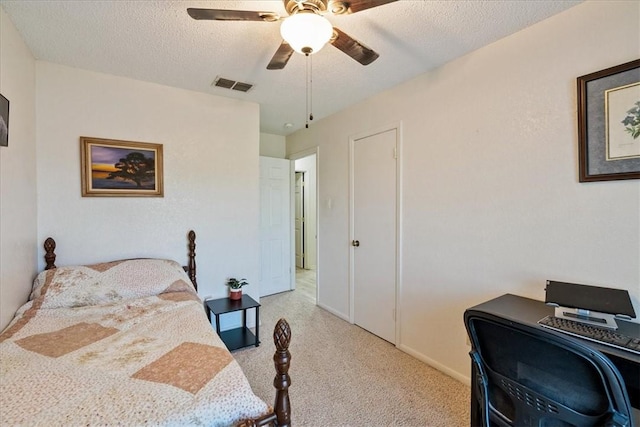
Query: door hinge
x=394, y=314
x=395, y=153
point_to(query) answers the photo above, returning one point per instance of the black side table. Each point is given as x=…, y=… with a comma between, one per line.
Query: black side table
x=238, y=337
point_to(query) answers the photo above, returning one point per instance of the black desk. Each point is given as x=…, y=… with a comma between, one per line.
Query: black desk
x=238, y=337
x=528, y=311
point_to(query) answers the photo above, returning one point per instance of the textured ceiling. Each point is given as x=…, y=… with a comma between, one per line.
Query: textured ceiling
x=157, y=41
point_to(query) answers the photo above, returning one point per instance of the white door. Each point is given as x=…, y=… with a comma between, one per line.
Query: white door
x=299, y=220
x=275, y=226
x=374, y=233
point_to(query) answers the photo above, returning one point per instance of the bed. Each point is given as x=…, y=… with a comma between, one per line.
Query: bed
x=127, y=342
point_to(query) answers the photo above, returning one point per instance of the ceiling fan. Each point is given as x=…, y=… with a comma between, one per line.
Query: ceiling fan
x=305, y=30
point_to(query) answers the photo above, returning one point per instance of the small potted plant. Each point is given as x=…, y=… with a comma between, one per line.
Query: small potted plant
x=235, y=287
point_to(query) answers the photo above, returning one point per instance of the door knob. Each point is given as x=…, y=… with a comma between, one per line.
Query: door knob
x=355, y=243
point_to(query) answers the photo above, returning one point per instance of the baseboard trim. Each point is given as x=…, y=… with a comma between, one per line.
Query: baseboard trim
x=439, y=366
x=334, y=312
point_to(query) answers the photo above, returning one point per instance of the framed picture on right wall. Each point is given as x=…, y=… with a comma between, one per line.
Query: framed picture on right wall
x=609, y=123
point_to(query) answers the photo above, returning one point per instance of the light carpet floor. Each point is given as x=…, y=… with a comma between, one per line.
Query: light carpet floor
x=342, y=375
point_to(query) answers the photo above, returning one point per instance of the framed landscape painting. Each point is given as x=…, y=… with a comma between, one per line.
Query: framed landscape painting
x=609, y=123
x=112, y=168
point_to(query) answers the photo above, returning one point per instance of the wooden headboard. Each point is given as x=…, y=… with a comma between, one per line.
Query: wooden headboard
x=190, y=268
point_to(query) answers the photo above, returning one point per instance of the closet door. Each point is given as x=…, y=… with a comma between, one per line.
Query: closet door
x=374, y=233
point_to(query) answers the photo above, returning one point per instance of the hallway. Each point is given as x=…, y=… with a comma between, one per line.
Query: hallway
x=306, y=284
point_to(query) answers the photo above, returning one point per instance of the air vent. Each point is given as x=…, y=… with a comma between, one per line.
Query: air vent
x=232, y=84
x=242, y=87
x=225, y=83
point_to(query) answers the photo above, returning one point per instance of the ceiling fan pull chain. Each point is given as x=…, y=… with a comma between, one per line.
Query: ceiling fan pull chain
x=307, y=80
x=311, y=89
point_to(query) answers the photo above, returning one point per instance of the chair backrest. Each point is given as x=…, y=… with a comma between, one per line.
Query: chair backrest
x=532, y=377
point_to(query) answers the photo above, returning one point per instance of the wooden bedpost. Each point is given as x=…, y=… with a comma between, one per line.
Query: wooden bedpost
x=282, y=381
x=50, y=256
x=192, y=259
x=281, y=415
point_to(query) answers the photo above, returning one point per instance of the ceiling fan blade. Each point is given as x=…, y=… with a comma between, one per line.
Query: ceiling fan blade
x=232, y=15
x=353, y=48
x=353, y=6
x=281, y=57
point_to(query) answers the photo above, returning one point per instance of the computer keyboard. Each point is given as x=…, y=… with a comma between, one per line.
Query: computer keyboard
x=600, y=335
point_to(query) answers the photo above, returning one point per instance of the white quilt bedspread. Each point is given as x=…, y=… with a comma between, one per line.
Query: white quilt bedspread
x=121, y=343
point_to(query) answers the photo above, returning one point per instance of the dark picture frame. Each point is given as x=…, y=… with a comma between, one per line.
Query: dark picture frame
x=4, y=121
x=609, y=123
x=114, y=168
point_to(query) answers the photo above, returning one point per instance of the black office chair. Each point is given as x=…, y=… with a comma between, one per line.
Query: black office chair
x=527, y=376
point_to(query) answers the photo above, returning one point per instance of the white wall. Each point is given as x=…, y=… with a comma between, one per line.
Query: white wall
x=272, y=145
x=211, y=182
x=18, y=245
x=491, y=199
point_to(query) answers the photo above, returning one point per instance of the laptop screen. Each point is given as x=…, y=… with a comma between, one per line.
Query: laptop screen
x=594, y=298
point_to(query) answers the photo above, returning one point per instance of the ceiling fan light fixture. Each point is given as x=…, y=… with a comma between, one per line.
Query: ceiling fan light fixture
x=306, y=32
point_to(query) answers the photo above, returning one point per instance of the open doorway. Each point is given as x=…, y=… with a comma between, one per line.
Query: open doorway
x=305, y=223
x=299, y=219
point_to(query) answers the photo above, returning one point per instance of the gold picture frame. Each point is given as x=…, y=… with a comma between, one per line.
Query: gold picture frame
x=114, y=168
